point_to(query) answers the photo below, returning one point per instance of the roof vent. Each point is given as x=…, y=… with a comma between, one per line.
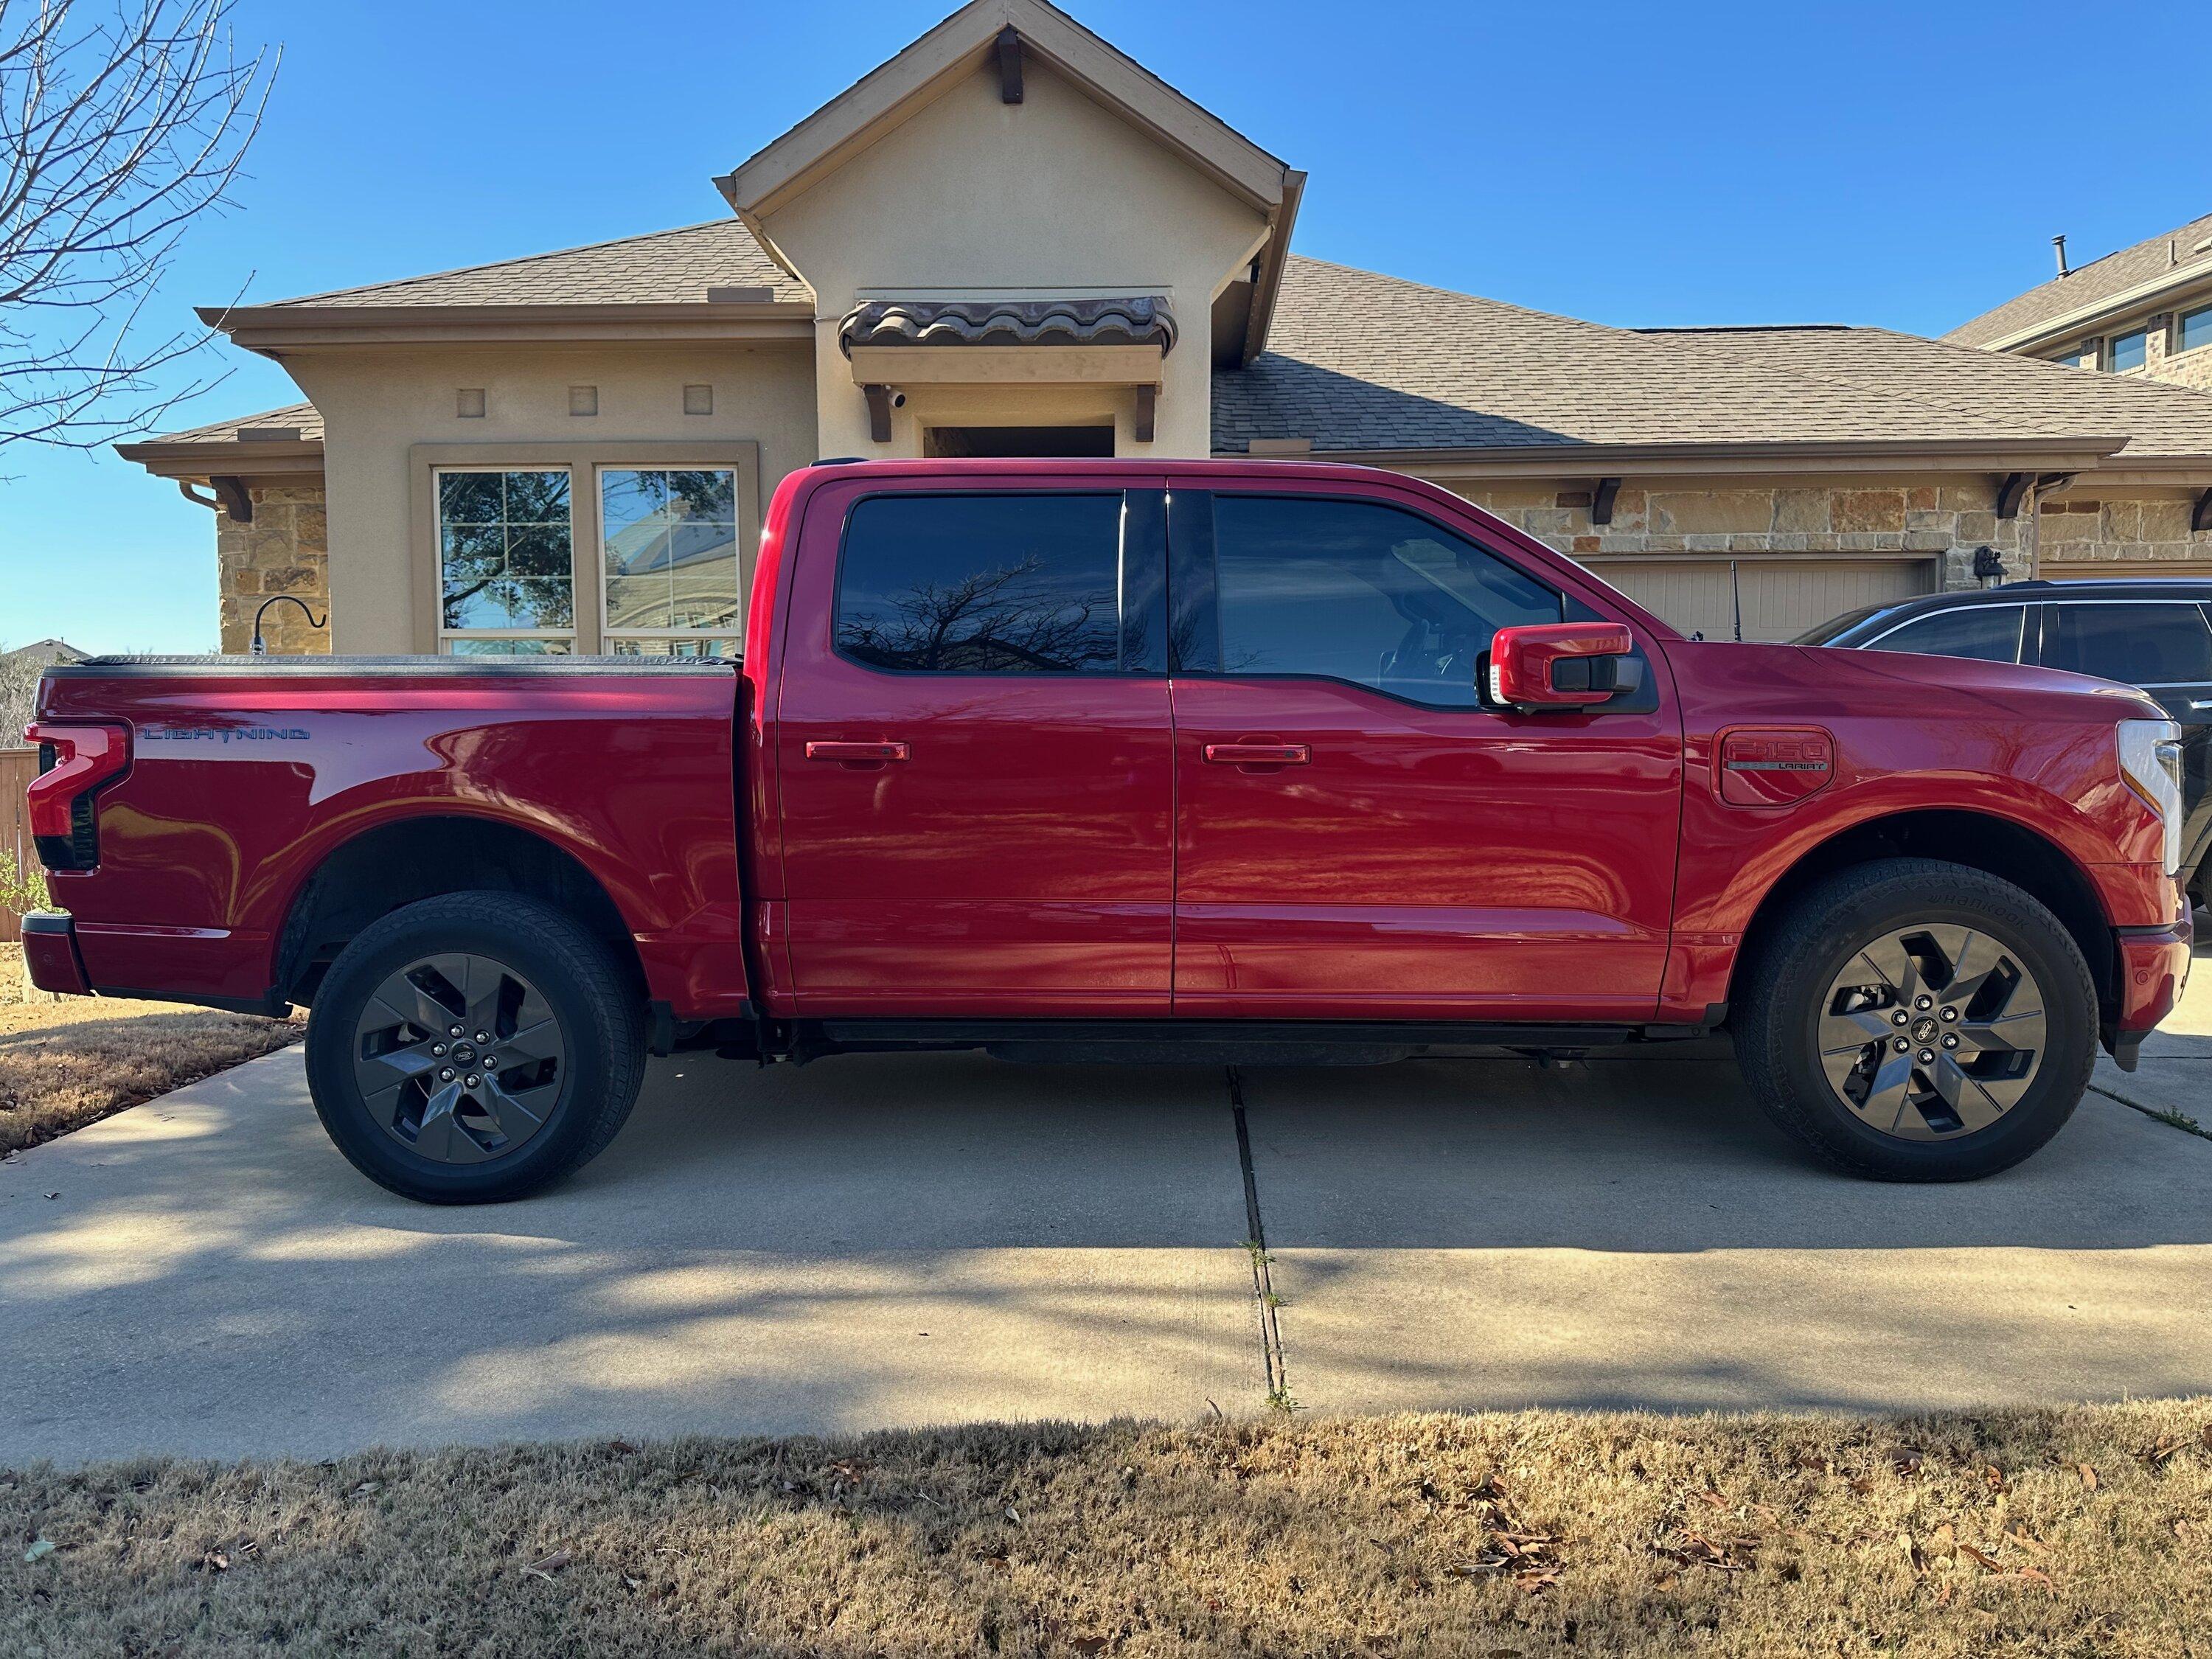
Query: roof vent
x=2058, y=246
x=269, y=434
x=740, y=296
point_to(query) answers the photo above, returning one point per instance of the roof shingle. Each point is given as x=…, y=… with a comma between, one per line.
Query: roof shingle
x=1362, y=363
x=667, y=267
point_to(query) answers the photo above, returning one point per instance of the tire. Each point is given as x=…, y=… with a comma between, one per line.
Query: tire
x=536, y=982
x=1900, y=919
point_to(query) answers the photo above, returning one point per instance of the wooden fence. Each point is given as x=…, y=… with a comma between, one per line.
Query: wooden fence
x=17, y=768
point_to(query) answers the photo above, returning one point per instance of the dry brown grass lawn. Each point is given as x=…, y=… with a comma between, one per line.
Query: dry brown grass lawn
x=65, y=1064
x=2076, y=1532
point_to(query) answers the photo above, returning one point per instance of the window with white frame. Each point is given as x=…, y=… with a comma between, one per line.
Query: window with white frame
x=506, y=576
x=668, y=549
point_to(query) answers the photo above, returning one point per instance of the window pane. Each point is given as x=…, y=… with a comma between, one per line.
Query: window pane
x=695, y=645
x=1362, y=592
x=2195, y=330
x=2128, y=350
x=1991, y=632
x=504, y=553
x=670, y=547
x=983, y=584
x=2134, y=644
x=517, y=647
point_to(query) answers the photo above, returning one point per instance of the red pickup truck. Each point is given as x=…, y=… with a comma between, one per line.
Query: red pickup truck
x=1221, y=761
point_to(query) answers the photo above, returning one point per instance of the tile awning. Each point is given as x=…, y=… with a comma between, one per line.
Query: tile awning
x=1138, y=320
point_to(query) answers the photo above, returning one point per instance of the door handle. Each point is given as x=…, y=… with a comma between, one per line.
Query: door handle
x=2200, y=703
x=867, y=754
x=1258, y=754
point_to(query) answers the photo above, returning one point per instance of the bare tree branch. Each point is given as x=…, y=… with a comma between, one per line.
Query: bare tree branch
x=121, y=122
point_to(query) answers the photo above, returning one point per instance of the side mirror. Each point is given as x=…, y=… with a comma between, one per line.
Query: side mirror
x=1573, y=665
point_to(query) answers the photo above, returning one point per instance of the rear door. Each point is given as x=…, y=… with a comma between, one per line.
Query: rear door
x=1357, y=836
x=974, y=755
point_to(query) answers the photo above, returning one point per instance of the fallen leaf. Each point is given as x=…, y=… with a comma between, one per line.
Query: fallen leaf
x=2165, y=1448
x=1013, y=1515
x=1943, y=1540
x=43, y=1546
x=1911, y=1552
x=1995, y=1477
x=623, y=1447
x=1862, y=1484
x=1943, y=1596
x=2020, y=1536
x=1088, y=1644
x=217, y=1560
x=1979, y=1557
x=549, y=1565
x=368, y=1489
x=2088, y=1478
x=2035, y=1576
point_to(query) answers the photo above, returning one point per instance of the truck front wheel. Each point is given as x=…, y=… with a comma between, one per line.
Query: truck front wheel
x=1915, y=1020
x=473, y=1048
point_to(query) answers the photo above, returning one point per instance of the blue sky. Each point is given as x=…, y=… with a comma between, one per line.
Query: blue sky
x=1899, y=165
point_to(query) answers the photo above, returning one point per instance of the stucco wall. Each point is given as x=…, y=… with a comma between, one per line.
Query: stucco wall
x=377, y=405
x=974, y=197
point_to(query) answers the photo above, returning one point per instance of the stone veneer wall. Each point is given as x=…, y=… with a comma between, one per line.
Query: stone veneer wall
x=285, y=550
x=1949, y=519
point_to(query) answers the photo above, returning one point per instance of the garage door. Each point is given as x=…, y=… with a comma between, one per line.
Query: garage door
x=1782, y=597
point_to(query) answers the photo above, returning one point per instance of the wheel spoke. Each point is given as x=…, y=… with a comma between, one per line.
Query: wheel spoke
x=1888, y=959
x=1973, y=957
x=1889, y=1094
x=1977, y=1108
x=1851, y=1033
x=516, y=1113
x=378, y=1075
x=441, y=1135
x=540, y=1042
x=2007, y=1034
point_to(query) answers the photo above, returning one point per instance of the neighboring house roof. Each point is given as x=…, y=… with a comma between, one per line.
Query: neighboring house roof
x=2171, y=258
x=45, y=651
x=1363, y=364
x=667, y=267
x=300, y=422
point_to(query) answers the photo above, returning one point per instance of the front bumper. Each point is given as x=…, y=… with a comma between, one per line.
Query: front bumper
x=50, y=953
x=2153, y=968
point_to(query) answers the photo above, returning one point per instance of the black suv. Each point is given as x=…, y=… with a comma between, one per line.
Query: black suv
x=2151, y=632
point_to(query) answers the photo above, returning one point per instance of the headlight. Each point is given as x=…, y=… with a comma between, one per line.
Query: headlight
x=2150, y=760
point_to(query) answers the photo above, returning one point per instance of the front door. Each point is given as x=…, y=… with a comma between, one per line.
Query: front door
x=974, y=755
x=1357, y=836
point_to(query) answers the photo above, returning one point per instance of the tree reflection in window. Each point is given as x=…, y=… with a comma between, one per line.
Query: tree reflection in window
x=982, y=585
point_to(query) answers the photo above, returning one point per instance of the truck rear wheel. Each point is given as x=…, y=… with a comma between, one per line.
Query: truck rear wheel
x=1915, y=1020
x=473, y=1048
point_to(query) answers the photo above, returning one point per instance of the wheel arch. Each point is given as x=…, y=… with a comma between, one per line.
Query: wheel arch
x=403, y=861
x=1980, y=841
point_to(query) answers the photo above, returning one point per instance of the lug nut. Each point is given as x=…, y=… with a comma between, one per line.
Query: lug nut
x=1902, y=1045
x=491, y=1065
x=438, y=1050
x=446, y=1075
x=1900, y=1017
x=1927, y=1056
x=1950, y=1039
x=452, y=1031
x=1950, y=1013
x=1923, y=1002
x=483, y=1036
x=473, y=1082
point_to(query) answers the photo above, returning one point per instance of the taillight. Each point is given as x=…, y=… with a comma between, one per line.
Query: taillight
x=74, y=761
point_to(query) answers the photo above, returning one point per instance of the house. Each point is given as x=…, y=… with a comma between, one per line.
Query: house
x=1010, y=239
x=2144, y=310
x=39, y=653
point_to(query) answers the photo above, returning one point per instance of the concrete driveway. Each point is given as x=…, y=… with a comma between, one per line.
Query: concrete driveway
x=902, y=1240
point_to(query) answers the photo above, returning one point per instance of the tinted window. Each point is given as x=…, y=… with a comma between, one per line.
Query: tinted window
x=2148, y=644
x=1991, y=632
x=2193, y=329
x=983, y=584
x=2129, y=351
x=1361, y=592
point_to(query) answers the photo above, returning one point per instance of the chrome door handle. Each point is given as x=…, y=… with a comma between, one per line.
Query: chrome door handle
x=1258, y=754
x=2200, y=703
x=863, y=754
